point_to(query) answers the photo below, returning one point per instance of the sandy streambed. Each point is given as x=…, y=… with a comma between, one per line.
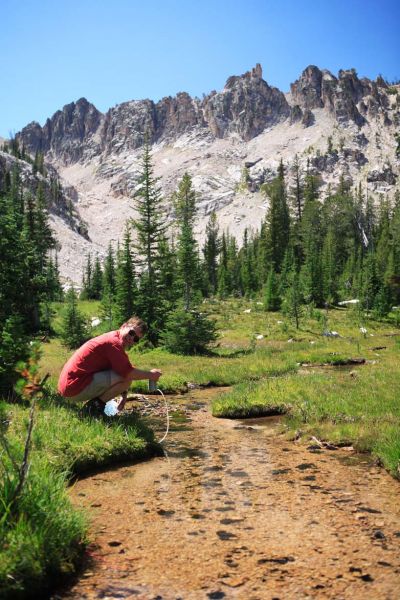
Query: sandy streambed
x=235, y=511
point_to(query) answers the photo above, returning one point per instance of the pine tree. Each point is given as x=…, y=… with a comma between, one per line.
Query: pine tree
x=311, y=231
x=383, y=301
x=97, y=280
x=187, y=330
x=293, y=298
x=125, y=285
x=278, y=227
x=233, y=266
x=263, y=255
x=223, y=272
x=185, y=208
x=44, y=239
x=229, y=268
x=24, y=295
x=297, y=192
x=296, y=211
x=392, y=272
x=38, y=163
x=248, y=268
x=169, y=283
x=329, y=268
x=370, y=282
x=38, y=240
x=149, y=228
x=13, y=264
x=211, y=251
x=272, y=300
x=14, y=303
x=86, y=292
x=383, y=237
x=74, y=329
x=108, y=296
x=54, y=291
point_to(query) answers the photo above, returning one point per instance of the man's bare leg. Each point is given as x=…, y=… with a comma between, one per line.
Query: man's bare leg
x=123, y=400
x=121, y=387
x=95, y=406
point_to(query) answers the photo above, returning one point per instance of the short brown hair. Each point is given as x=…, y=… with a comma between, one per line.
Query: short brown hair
x=135, y=322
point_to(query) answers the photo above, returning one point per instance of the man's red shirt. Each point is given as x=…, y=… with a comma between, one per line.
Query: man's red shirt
x=101, y=353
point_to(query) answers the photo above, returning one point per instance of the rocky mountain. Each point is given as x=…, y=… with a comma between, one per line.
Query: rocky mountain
x=230, y=142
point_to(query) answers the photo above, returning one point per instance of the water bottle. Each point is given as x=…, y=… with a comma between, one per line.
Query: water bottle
x=111, y=408
x=152, y=386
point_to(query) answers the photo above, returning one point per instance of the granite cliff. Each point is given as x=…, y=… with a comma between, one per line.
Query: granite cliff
x=230, y=142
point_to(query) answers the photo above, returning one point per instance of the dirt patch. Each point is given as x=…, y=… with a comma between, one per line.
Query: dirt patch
x=235, y=511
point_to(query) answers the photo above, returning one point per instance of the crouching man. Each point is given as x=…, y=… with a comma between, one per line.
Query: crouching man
x=100, y=370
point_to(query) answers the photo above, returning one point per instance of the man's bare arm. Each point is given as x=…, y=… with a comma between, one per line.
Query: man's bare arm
x=153, y=375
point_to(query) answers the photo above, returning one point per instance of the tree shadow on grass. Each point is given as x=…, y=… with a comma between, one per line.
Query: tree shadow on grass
x=232, y=353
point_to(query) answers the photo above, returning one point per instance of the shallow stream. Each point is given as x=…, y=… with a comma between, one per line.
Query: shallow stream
x=233, y=510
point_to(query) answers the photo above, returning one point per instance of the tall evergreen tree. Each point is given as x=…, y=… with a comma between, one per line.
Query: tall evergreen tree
x=53, y=284
x=185, y=208
x=263, y=254
x=311, y=231
x=370, y=281
x=86, y=291
x=150, y=228
x=272, y=300
x=229, y=268
x=297, y=199
x=392, y=272
x=248, y=270
x=278, y=220
x=38, y=241
x=223, y=270
x=293, y=298
x=74, y=330
x=169, y=283
x=125, y=285
x=13, y=266
x=109, y=285
x=383, y=238
x=97, y=280
x=329, y=268
x=211, y=250
x=187, y=330
x=14, y=304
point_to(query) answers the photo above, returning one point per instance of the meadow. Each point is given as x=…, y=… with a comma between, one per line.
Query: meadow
x=274, y=368
x=271, y=368
x=344, y=404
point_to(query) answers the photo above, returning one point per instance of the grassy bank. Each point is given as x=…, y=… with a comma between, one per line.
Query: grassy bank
x=355, y=405
x=258, y=353
x=42, y=535
x=261, y=355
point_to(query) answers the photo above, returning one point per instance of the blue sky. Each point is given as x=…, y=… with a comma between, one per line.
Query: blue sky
x=54, y=52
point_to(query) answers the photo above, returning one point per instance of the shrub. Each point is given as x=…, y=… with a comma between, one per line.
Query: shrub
x=188, y=332
x=74, y=329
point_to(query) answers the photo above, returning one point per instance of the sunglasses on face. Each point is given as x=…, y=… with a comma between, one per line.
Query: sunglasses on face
x=132, y=333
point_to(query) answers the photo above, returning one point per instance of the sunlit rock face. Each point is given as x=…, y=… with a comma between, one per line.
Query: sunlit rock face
x=339, y=127
x=347, y=97
x=68, y=135
x=246, y=106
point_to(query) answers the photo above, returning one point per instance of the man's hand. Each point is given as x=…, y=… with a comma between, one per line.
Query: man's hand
x=155, y=374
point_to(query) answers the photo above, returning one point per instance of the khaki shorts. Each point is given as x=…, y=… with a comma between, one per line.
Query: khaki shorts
x=101, y=382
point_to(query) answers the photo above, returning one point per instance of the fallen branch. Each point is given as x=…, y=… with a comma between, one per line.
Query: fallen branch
x=326, y=445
